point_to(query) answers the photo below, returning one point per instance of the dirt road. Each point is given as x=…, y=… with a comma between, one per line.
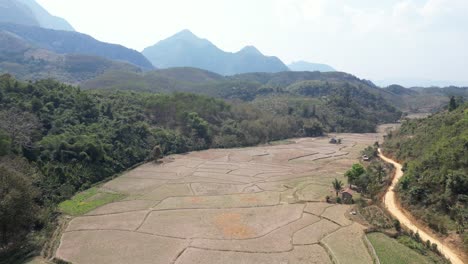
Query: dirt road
x=394, y=209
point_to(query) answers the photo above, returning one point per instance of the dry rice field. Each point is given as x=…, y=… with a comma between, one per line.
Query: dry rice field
x=249, y=205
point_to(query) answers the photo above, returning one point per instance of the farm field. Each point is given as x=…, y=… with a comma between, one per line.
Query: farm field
x=260, y=204
x=390, y=251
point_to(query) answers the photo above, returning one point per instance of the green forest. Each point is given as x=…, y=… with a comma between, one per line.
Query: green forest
x=435, y=155
x=57, y=139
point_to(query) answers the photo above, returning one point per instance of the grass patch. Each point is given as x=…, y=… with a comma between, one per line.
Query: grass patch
x=281, y=142
x=88, y=200
x=390, y=251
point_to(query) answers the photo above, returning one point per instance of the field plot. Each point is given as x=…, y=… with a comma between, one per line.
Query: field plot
x=390, y=251
x=262, y=204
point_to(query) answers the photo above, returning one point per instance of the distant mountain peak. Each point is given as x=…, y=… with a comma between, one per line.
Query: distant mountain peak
x=186, y=34
x=250, y=50
x=185, y=49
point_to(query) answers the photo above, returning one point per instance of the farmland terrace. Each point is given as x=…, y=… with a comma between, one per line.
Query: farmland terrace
x=261, y=204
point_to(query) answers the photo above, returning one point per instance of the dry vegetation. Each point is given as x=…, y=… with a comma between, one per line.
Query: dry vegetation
x=245, y=205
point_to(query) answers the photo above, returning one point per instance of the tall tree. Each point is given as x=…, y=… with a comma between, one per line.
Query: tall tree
x=452, y=104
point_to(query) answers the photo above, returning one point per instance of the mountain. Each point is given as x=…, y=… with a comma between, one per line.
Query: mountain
x=12, y=11
x=25, y=61
x=308, y=66
x=68, y=42
x=45, y=19
x=28, y=12
x=185, y=49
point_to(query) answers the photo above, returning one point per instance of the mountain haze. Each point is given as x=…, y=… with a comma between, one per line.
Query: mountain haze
x=45, y=19
x=185, y=49
x=308, y=66
x=28, y=12
x=68, y=42
x=25, y=61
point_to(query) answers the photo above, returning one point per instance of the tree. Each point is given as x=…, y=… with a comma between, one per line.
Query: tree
x=313, y=129
x=18, y=210
x=337, y=186
x=380, y=170
x=156, y=154
x=5, y=143
x=354, y=173
x=452, y=104
x=20, y=126
x=397, y=225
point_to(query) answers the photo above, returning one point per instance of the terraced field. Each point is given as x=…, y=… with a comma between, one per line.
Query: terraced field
x=251, y=205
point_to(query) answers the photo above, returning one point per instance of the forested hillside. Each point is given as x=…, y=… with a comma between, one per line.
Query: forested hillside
x=435, y=155
x=338, y=101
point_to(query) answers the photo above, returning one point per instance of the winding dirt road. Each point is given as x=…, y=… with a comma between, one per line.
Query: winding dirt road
x=394, y=209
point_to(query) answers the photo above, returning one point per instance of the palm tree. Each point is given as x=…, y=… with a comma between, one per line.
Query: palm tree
x=337, y=185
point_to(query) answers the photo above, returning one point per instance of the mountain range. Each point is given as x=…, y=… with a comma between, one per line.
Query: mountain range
x=36, y=45
x=51, y=41
x=28, y=12
x=185, y=49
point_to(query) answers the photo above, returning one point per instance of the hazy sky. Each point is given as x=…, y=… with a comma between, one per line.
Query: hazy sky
x=373, y=39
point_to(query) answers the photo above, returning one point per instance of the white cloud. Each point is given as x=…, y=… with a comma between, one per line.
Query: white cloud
x=365, y=20
x=434, y=8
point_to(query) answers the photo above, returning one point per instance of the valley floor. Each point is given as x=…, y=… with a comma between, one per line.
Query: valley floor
x=261, y=204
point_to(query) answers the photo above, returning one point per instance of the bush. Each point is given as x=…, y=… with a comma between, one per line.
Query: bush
x=156, y=153
x=397, y=225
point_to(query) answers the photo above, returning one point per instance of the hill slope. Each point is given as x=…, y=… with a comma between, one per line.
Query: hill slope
x=435, y=184
x=184, y=49
x=308, y=66
x=29, y=12
x=67, y=42
x=338, y=101
x=25, y=61
x=423, y=100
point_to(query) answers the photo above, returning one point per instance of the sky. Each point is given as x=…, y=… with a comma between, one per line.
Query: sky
x=411, y=42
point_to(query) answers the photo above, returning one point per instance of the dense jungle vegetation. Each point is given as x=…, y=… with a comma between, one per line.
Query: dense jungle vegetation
x=435, y=155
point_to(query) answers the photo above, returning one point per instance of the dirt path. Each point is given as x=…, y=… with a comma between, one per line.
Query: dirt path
x=392, y=206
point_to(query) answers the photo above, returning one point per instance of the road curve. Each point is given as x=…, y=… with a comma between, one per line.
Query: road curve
x=391, y=205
